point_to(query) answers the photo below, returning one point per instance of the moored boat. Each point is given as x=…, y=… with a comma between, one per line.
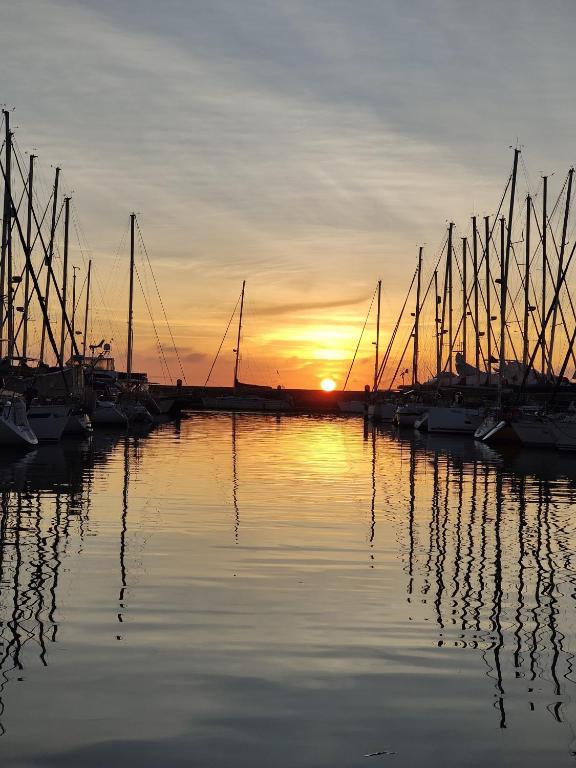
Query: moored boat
x=48, y=421
x=107, y=413
x=15, y=430
x=454, y=419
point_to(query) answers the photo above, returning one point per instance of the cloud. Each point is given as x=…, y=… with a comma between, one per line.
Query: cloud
x=275, y=310
x=194, y=357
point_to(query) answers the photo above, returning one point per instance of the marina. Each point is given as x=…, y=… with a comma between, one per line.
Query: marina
x=287, y=384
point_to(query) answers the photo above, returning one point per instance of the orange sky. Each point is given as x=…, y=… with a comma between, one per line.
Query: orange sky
x=308, y=150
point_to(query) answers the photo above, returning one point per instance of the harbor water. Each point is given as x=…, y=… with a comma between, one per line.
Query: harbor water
x=253, y=591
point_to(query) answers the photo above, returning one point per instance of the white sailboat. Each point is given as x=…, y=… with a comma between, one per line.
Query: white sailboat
x=48, y=420
x=363, y=406
x=107, y=413
x=451, y=419
x=245, y=397
x=15, y=430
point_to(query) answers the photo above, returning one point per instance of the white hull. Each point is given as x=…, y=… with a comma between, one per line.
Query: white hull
x=408, y=415
x=454, y=420
x=535, y=431
x=108, y=414
x=15, y=430
x=237, y=403
x=48, y=422
x=565, y=434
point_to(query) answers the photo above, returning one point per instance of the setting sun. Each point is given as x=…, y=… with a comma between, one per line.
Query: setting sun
x=328, y=385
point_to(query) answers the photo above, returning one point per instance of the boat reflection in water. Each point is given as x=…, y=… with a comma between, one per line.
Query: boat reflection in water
x=492, y=564
x=45, y=501
x=387, y=594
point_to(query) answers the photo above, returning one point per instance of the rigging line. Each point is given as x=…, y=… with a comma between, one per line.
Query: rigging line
x=360, y=339
x=160, y=349
x=161, y=302
x=223, y=340
x=553, y=279
x=428, y=287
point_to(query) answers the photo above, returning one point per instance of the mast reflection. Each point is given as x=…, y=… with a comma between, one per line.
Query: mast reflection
x=44, y=505
x=494, y=556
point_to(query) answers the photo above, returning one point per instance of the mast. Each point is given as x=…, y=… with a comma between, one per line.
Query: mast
x=130, y=299
x=526, y=282
x=503, y=274
x=87, y=308
x=475, y=268
x=9, y=264
x=28, y=247
x=237, y=350
x=450, y=308
x=560, y=265
x=488, y=292
x=416, y=320
x=437, y=325
x=73, y=313
x=49, y=255
x=65, y=279
x=505, y=258
x=6, y=225
x=464, y=300
x=376, y=357
x=544, y=262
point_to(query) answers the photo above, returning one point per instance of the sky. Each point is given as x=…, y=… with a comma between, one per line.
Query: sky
x=308, y=147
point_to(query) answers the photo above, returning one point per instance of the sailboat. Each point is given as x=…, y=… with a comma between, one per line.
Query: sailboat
x=363, y=406
x=246, y=397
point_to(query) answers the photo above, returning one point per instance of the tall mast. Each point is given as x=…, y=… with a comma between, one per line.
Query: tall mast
x=49, y=264
x=526, y=282
x=9, y=269
x=475, y=268
x=417, y=320
x=544, y=262
x=6, y=226
x=28, y=247
x=377, y=354
x=503, y=287
x=65, y=278
x=87, y=308
x=237, y=350
x=450, y=308
x=437, y=326
x=560, y=266
x=130, y=299
x=505, y=258
x=464, y=299
x=488, y=292
x=73, y=313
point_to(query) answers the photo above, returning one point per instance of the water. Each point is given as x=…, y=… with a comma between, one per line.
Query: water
x=281, y=591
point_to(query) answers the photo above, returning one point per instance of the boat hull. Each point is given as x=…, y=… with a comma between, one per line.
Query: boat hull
x=15, y=430
x=78, y=424
x=453, y=420
x=48, y=422
x=537, y=432
x=408, y=415
x=108, y=414
x=565, y=433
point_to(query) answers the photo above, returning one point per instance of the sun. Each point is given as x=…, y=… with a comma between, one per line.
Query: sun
x=328, y=385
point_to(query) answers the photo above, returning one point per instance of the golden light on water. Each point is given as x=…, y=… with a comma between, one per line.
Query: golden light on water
x=328, y=385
